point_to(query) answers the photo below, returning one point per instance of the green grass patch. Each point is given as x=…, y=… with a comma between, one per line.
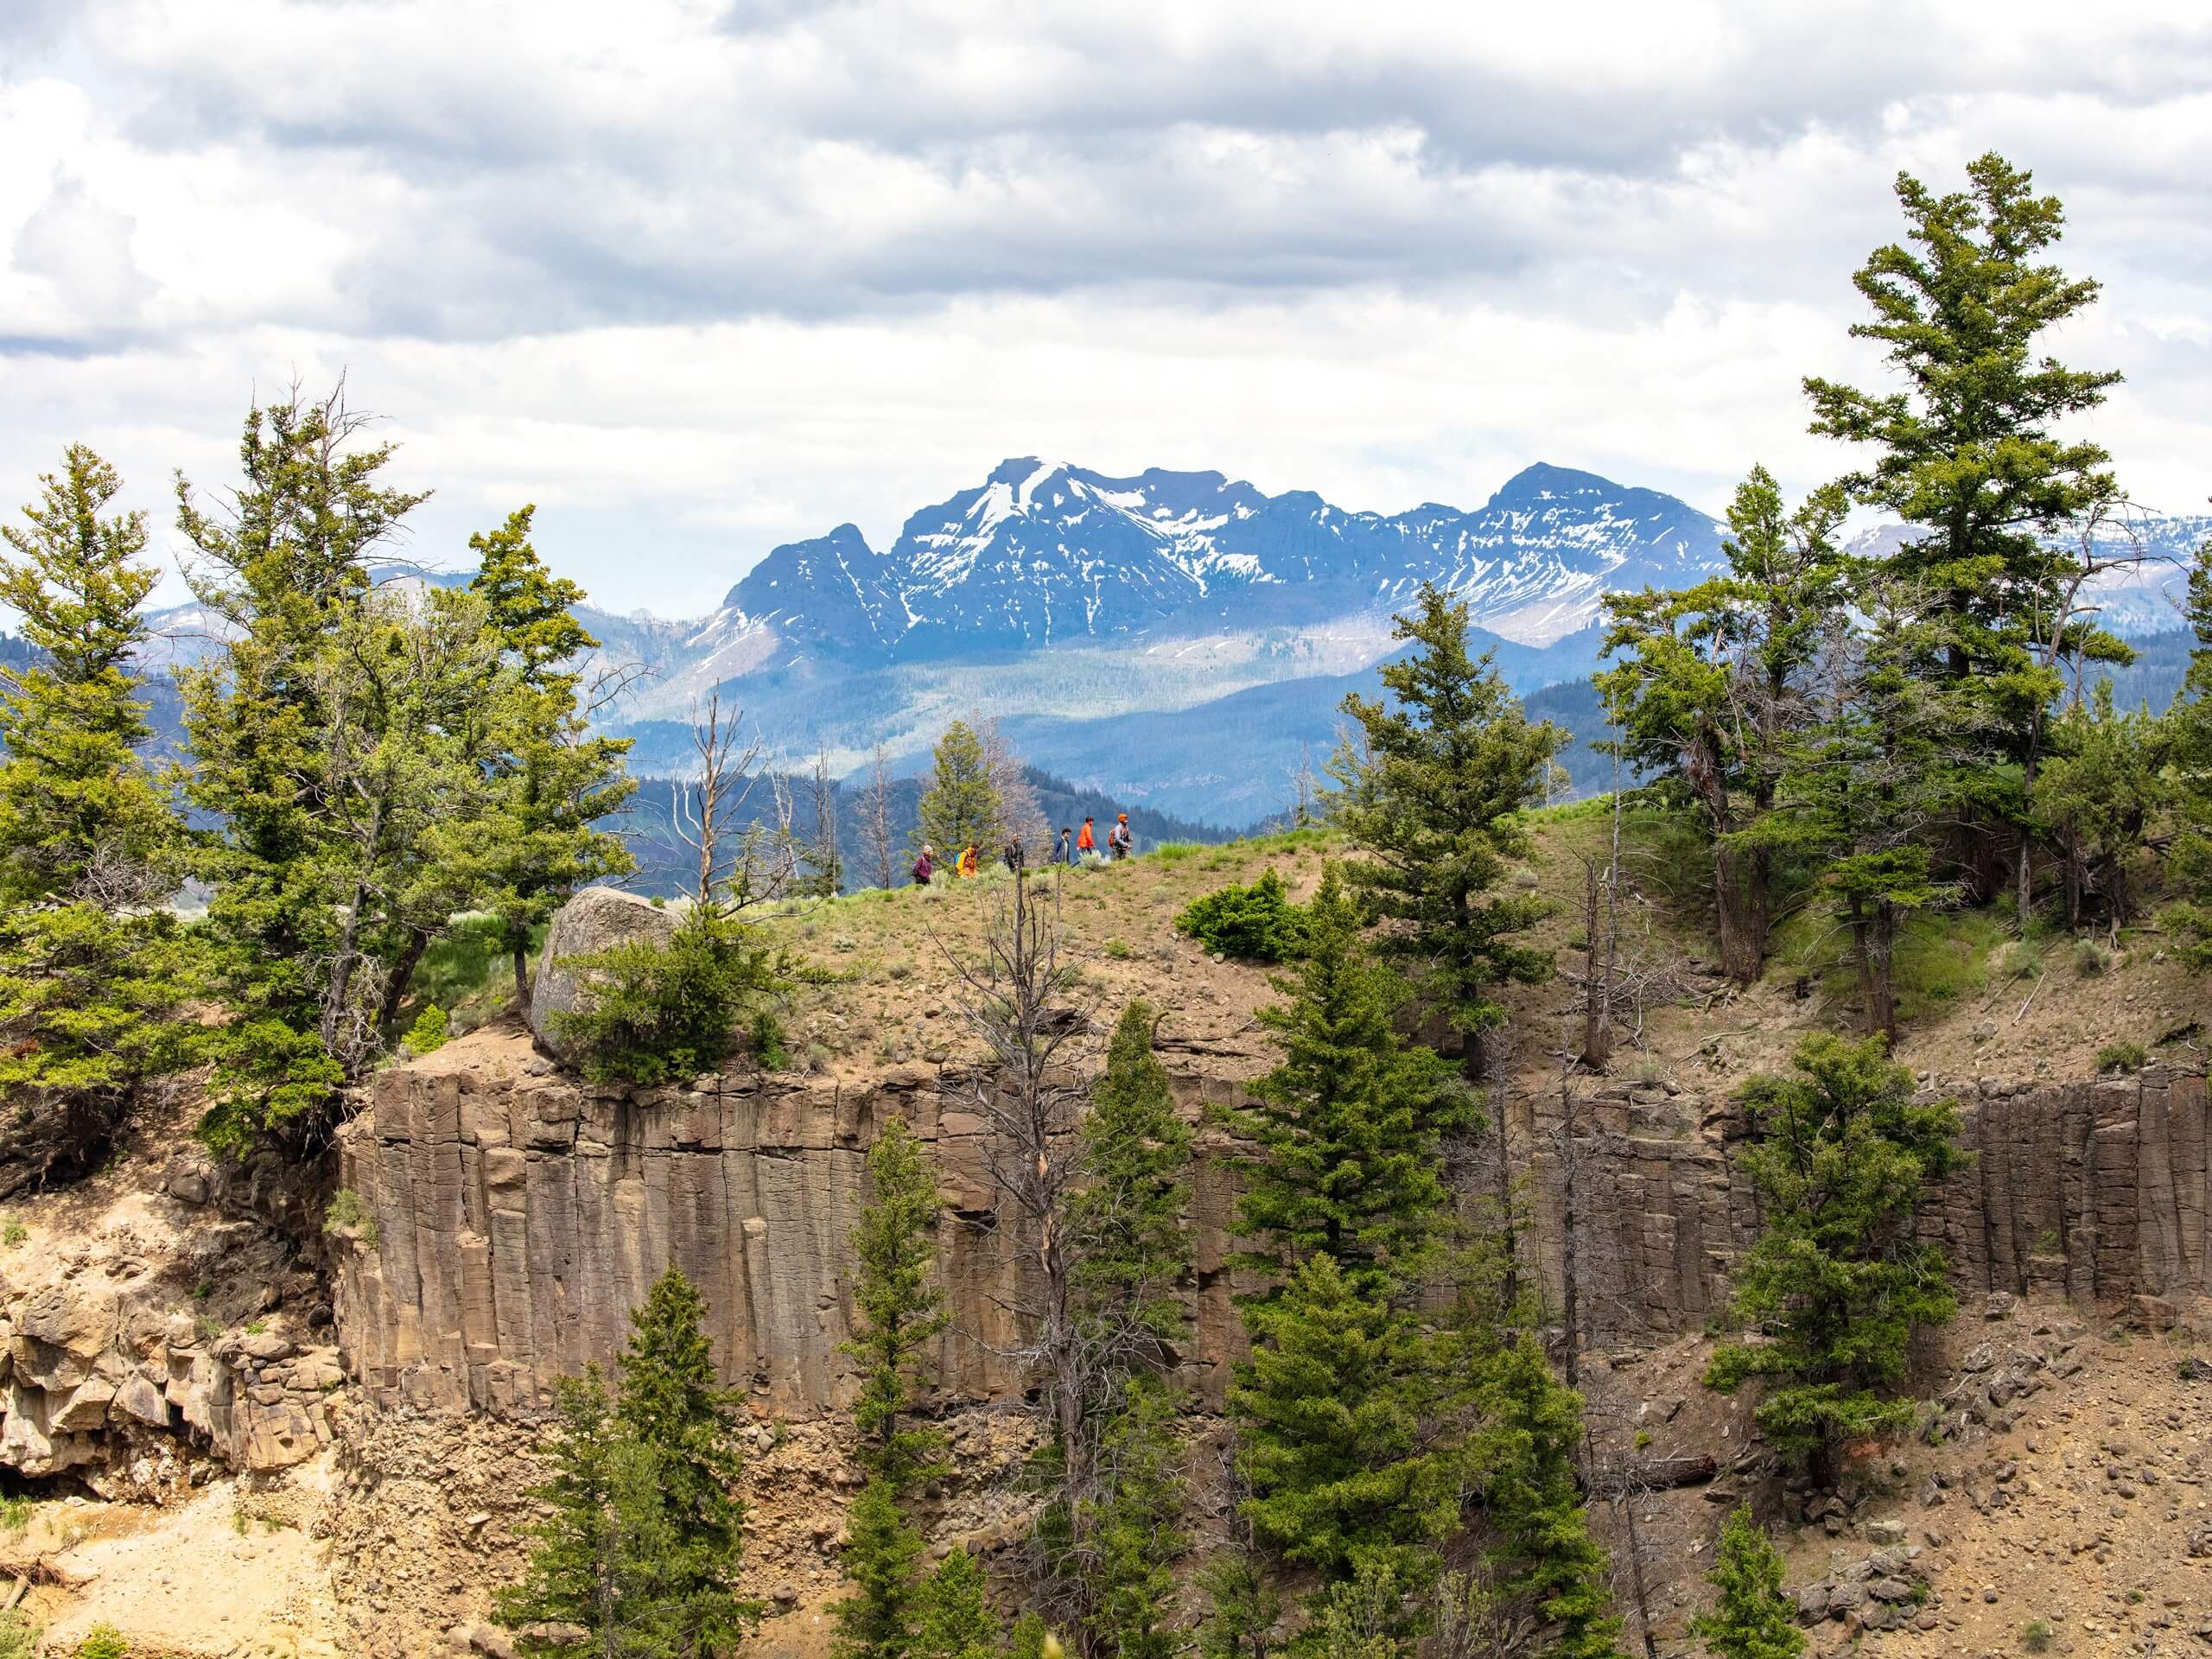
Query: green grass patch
x=2121, y=1057
x=1942, y=956
x=468, y=973
x=1174, y=852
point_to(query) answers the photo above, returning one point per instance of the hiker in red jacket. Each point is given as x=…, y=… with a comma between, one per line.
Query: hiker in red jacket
x=1084, y=843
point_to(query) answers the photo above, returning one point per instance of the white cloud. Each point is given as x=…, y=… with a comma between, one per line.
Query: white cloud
x=698, y=278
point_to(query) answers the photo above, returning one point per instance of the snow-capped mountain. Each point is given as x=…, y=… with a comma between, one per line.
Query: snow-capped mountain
x=1043, y=555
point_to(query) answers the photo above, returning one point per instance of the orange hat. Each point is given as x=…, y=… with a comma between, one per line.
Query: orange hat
x=1125, y=818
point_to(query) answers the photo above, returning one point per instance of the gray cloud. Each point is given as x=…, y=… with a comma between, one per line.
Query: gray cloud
x=743, y=268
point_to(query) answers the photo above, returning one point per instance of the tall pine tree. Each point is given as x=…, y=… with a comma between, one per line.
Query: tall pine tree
x=1333, y=1415
x=1449, y=762
x=92, y=966
x=1751, y=1618
x=1839, y=1279
x=960, y=801
x=1967, y=452
x=902, y=1311
x=1346, y=1126
x=670, y=1403
x=1710, y=686
x=637, y=1552
x=557, y=778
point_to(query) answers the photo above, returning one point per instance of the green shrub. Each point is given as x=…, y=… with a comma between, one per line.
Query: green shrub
x=348, y=1213
x=2014, y=959
x=430, y=1031
x=657, y=1012
x=103, y=1641
x=18, y=1637
x=15, y=1514
x=13, y=1232
x=1117, y=949
x=766, y=1038
x=2036, y=1635
x=2121, y=1057
x=1256, y=923
x=2091, y=960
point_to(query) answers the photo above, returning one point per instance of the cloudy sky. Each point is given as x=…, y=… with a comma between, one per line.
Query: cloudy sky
x=701, y=275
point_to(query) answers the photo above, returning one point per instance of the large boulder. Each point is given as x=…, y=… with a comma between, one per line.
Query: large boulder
x=594, y=920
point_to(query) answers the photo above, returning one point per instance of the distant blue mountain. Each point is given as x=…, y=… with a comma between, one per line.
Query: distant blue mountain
x=1041, y=555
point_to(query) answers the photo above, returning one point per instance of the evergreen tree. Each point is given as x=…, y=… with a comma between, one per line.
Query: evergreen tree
x=557, y=780
x=957, y=1621
x=1967, y=453
x=883, y=1550
x=1347, y=1125
x=1864, y=779
x=901, y=1309
x=91, y=965
x=1333, y=1412
x=1243, y=1605
x=2107, y=782
x=1753, y=1620
x=1711, y=687
x=670, y=1403
x=1523, y=1457
x=331, y=737
x=1837, y=1281
x=2189, y=737
x=1131, y=1249
x=605, y=1572
x=1132, y=1532
x=637, y=1553
x=1450, y=761
x=1108, y=1535
x=960, y=801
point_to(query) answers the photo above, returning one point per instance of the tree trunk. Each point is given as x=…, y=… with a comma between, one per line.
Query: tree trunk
x=522, y=973
x=1884, y=940
x=1570, y=1300
x=1597, y=983
x=1743, y=915
x=1862, y=960
x=394, y=989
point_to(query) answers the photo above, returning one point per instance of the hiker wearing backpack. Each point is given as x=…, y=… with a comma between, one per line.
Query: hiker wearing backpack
x=1119, y=840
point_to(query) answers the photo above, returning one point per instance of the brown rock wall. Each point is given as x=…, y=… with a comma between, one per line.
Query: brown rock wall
x=517, y=1214
x=2098, y=1191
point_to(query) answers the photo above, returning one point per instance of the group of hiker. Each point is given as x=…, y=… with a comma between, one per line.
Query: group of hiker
x=1072, y=847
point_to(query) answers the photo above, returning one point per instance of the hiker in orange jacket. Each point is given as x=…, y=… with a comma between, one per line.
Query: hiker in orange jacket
x=968, y=860
x=1084, y=843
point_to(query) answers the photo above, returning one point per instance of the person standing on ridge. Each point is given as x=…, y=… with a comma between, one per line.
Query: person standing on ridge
x=1119, y=839
x=1084, y=843
x=924, y=867
x=968, y=860
x=1065, y=853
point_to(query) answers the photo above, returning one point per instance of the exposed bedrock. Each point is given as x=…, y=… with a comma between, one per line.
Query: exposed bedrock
x=516, y=1215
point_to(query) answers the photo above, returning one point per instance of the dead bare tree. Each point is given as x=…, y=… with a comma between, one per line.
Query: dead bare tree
x=824, y=854
x=1021, y=818
x=1019, y=1000
x=704, y=809
x=875, y=817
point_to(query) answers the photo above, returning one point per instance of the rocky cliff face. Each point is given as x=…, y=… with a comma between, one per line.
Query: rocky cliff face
x=517, y=1214
x=2096, y=1191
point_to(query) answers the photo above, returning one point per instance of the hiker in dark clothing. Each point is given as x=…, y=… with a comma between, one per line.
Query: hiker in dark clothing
x=1065, y=853
x=1014, y=854
x=924, y=867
